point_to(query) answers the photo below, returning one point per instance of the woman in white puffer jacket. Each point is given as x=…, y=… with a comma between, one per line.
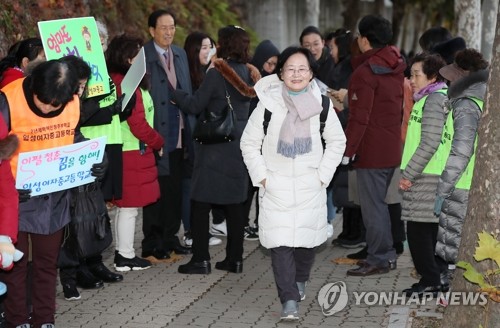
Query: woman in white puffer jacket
x=292, y=169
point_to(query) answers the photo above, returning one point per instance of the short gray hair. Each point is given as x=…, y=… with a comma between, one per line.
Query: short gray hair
x=103, y=33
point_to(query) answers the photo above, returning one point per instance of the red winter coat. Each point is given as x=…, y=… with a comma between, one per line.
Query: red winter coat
x=375, y=109
x=9, y=201
x=140, y=175
x=9, y=75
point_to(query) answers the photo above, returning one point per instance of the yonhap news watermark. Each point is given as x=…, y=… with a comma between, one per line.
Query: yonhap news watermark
x=334, y=297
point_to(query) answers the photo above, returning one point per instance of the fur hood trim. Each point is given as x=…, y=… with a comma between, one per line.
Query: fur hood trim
x=459, y=86
x=8, y=146
x=232, y=77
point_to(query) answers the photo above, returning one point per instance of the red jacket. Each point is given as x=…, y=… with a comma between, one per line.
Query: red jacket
x=140, y=175
x=9, y=201
x=375, y=109
x=9, y=75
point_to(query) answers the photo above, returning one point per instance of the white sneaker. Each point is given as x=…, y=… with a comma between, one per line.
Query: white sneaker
x=219, y=229
x=329, y=230
x=188, y=241
x=213, y=241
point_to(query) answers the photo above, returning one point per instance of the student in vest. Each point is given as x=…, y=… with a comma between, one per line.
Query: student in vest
x=140, y=141
x=468, y=77
x=292, y=170
x=45, y=98
x=422, y=164
x=99, y=113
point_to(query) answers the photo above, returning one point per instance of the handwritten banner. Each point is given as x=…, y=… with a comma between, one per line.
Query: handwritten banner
x=78, y=37
x=61, y=168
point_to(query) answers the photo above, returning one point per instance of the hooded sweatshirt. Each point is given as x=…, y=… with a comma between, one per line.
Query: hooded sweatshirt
x=265, y=50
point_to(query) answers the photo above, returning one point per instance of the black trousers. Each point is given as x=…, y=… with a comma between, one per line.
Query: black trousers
x=291, y=265
x=161, y=220
x=199, y=227
x=352, y=224
x=248, y=204
x=67, y=275
x=397, y=225
x=422, y=243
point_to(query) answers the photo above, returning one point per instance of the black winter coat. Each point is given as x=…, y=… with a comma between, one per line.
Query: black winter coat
x=219, y=174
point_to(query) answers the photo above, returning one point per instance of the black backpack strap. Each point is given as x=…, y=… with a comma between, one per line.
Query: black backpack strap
x=325, y=103
x=4, y=109
x=267, y=119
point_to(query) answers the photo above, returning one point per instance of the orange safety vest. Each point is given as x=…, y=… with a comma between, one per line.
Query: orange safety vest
x=35, y=132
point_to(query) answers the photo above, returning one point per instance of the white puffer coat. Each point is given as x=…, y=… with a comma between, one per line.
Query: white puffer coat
x=293, y=204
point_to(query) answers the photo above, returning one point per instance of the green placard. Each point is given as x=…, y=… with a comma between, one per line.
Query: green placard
x=78, y=37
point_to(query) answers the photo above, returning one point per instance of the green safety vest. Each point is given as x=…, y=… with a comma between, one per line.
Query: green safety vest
x=466, y=179
x=112, y=130
x=130, y=142
x=438, y=160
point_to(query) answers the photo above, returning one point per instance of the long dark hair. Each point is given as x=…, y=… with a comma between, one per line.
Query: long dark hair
x=192, y=46
x=343, y=40
x=28, y=48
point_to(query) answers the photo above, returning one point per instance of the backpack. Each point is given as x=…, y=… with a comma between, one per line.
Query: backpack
x=325, y=103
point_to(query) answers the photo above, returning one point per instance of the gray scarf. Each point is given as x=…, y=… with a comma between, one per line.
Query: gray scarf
x=295, y=133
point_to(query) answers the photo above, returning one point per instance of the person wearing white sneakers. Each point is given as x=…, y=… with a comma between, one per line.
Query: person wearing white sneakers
x=140, y=141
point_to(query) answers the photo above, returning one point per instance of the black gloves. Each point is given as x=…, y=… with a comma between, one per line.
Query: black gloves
x=24, y=195
x=127, y=111
x=116, y=107
x=98, y=170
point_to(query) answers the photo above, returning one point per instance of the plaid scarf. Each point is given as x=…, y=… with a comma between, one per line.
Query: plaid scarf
x=295, y=133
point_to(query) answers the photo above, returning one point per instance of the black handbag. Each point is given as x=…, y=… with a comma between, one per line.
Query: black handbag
x=90, y=227
x=212, y=128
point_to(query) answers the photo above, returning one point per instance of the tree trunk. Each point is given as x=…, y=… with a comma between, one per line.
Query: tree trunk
x=468, y=22
x=398, y=15
x=483, y=213
x=351, y=14
x=489, y=18
x=312, y=13
x=379, y=8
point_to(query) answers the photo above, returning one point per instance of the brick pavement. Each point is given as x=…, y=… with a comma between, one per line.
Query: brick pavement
x=161, y=297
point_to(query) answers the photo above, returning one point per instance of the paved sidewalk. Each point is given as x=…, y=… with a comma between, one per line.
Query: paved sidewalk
x=161, y=297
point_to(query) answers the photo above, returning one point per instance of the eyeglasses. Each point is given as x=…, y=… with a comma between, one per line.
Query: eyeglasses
x=290, y=71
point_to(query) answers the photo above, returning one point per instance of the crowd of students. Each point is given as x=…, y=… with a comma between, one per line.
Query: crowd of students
x=319, y=126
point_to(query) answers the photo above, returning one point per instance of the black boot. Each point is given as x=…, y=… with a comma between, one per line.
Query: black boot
x=85, y=279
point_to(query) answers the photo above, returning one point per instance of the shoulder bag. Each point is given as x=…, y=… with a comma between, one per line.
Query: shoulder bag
x=212, y=128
